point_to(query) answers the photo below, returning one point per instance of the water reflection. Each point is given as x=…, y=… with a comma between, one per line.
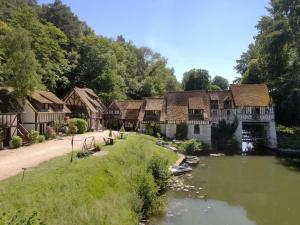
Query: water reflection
x=212, y=212
x=241, y=190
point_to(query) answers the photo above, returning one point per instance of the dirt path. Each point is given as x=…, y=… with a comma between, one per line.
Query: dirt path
x=12, y=161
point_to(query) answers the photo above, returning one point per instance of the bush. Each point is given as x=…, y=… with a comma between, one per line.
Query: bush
x=34, y=135
x=41, y=138
x=50, y=133
x=122, y=128
x=191, y=147
x=160, y=172
x=146, y=191
x=16, y=142
x=80, y=124
x=181, y=131
x=152, y=129
x=83, y=154
x=72, y=127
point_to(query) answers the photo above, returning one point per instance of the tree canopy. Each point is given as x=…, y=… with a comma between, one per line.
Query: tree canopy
x=63, y=51
x=274, y=58
x=220, y=82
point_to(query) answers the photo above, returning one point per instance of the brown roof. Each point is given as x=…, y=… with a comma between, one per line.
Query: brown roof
x=130, y=109
x=178, y=104
x=220, y=96
x=90, y=99
x=47, y=97
x=154, y=104
x=251, y=95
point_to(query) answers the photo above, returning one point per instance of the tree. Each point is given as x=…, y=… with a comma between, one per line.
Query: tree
x=20, y=65
x=63, y=18
x=196, y=79
x=220, y=82
x=47, y=44
x=274, y=58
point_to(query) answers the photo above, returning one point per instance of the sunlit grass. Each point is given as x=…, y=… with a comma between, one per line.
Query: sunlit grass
x=88, y=191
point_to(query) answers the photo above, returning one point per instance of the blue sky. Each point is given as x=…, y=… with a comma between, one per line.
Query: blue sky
x=207, y=34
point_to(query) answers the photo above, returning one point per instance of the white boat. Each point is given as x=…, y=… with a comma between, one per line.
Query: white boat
x=178, y=170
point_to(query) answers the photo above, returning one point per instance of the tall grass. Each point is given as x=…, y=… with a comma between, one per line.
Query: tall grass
x=93, y=190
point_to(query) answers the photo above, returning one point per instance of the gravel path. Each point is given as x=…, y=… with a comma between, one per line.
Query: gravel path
x=12, y=161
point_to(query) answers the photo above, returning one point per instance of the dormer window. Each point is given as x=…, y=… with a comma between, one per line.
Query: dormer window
x=214, y=104
x=196, y=114
x=227, y=104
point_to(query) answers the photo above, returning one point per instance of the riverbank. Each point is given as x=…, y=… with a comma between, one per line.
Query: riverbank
x=107, y=191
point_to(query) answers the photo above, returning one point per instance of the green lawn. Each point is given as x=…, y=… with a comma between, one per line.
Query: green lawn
x=88, y=191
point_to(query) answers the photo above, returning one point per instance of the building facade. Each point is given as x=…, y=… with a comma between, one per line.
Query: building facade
x=84, y=103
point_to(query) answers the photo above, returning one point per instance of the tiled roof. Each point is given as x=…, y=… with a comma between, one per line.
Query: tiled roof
x=154, y=104
x=220, y=96
x=129, y=109
x=251, y=95
x=47, y=97
x=90, y=99
x=178, y=104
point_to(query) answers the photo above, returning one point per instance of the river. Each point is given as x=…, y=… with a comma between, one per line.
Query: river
x=236, y=190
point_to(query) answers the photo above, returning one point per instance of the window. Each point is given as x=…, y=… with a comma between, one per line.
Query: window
x=227, y=104
x=196, y=129
x=214, y=104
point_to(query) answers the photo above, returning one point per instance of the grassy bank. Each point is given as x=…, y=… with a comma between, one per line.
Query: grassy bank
x=105, y=191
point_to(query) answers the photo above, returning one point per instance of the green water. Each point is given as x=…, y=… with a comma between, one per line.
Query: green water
x=240, y=191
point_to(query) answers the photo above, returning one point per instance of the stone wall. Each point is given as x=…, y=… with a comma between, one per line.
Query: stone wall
x=170, y=130
x=271, y=135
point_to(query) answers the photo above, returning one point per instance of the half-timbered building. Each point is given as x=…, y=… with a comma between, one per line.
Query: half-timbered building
x=84, y=103
x=191, y=107
x=41, y=109
x=9, y=111
x=123, y=113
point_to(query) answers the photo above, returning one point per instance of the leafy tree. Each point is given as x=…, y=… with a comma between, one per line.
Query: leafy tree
x=220, y=82
x=63, y=18
x=196, y=79
x=20, y=65
x=274, y=58
x=47, y=44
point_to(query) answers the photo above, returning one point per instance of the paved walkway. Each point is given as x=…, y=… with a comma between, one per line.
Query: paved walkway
x=12, y=161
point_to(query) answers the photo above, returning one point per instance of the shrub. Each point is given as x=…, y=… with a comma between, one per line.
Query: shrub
x=181, y=131
x=146, y=191
x=152, y=129
x=81, y=125
x=191, y=147
x=50, y=133
x=41, y=138
x=83, y=154
x=122, y=128
x=34, y=136
x=72, y=127
x=58, y=125
x=16, y=142
x=160, y=172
